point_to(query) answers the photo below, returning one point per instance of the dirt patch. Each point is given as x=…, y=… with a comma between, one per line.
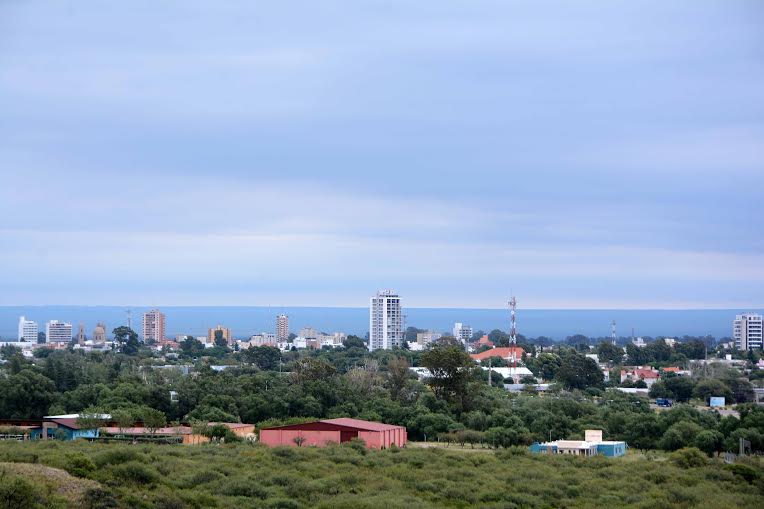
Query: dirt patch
x=58, y=482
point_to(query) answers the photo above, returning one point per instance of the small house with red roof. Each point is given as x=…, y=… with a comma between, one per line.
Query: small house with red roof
x=644, y=373
x=375, y=435
x=509, y=353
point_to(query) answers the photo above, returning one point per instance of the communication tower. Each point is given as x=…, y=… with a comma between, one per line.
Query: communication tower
x=513, y=323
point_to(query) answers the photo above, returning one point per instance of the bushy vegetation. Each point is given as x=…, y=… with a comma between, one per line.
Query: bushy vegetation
x=265, y=386
x=252, y=476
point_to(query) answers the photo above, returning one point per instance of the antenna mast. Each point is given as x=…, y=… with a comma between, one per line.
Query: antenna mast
x=513, y=323
x=129, y=319
x=513, y=334
x=612, y=332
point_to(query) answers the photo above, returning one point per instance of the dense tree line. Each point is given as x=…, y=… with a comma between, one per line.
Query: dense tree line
x=266, y=385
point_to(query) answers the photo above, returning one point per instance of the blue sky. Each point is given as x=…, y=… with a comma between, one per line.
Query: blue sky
x=581, y=154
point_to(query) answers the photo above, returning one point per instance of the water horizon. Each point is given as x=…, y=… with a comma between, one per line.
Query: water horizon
x=247, y=320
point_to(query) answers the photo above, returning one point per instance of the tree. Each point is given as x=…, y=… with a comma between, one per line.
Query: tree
x=127, y=339
x=636, y=356
x=220, y=341
x=709, y=441
x=266, y=358
x=680, y=434
x=680, y=386
x=450, y=369
x=354, y=342
x=124, y=419
x=545, y=365
x=91, y=419
x=410, y=334
x=398, y=375
x=191, y=347
x=499, y=337
x=579, y=372
x=579, y=342
x=711, y=387
x=312, y=369
x=26, y=395
x=153, y=419
x=606, y=351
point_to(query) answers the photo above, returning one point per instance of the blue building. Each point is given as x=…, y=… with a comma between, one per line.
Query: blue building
x=592, y=445
x=611, y=449
x=60, y=427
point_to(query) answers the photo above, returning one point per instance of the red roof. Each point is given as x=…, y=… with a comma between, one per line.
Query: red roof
x=504, y=353
x=339, y=424
x=641, y=373
x=364, y=425
x=68, y=422
x=672, y=369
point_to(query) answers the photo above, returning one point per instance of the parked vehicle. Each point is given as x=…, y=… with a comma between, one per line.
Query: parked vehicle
x=664, y=402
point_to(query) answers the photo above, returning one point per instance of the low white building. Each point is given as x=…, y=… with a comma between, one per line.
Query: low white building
x=427, y=337
x=639, y=342
x=421, y=373
x=516, y=373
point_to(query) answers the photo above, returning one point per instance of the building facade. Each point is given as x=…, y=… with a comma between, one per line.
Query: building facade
x=309, y=333
x=28, y=330
x=375, y=435
x=385, y=321
x=153, y=326
x=427, y=337
x=225, y=332
x=282, y=328
x=747, y=331
x=462, y=333
x=58, y=332
x=99, y=333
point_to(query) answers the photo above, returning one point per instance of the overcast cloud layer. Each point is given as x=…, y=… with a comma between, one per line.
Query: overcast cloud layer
x=580, y=154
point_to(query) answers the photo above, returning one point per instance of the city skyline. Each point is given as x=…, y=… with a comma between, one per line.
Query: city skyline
x=582, y=157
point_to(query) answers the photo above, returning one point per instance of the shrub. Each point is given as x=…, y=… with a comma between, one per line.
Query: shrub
x=18, y=493
x=79, y=465
x=284, y=503
x=204, y=477
x=117, y=456
x=98, y=498
x=244, y=488
x=689, y=457
x=748, y=473
x=357, y=445
x=133, y=472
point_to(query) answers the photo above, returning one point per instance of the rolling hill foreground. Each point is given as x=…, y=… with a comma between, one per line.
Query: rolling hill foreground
x=87, y=475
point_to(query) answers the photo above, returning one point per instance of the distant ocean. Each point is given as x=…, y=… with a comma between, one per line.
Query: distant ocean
x=245, y=321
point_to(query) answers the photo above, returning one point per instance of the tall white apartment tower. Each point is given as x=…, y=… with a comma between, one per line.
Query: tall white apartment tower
x=282, y=328
x=385, y=321
x=747, y=331
x=28, y=330
x=58, y=332
x=462, y=333
x=153, y=326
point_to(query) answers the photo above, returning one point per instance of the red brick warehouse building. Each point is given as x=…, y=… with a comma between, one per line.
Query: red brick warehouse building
x=335, y=431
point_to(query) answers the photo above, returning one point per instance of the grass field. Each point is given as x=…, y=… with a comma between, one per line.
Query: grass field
x=243, y=475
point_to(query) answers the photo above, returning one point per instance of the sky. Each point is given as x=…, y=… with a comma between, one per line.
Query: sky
x=577, y=154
